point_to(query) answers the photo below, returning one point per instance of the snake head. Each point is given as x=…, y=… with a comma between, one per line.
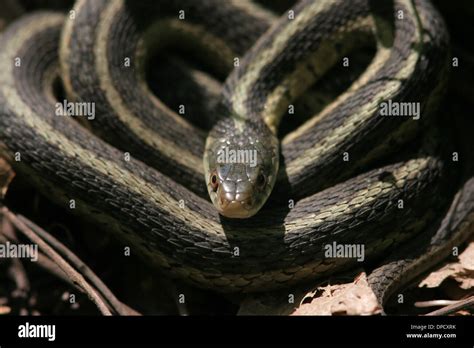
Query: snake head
x=241, y=163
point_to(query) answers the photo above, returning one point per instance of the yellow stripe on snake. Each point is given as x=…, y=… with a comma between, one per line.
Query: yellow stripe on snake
x=344, y=176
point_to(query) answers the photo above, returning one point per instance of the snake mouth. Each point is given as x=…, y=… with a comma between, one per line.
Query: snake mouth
x=237, y=209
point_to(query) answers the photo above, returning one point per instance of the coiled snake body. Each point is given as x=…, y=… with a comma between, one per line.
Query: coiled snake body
x=161, y=207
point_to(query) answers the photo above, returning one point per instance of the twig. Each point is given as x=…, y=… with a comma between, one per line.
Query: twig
x=47, y=264
x=118, y=306
x=461, y=304
x=66, y=268
x=18, y=275
x=16, y=271
x=434, y=303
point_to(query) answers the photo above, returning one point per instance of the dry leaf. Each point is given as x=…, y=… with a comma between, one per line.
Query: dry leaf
x=467, y=257
x=338, y=298
x=462, y=271
x=356, y=298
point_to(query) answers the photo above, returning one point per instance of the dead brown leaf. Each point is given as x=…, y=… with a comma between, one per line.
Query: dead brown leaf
x=338, y=298
x=356, y=298
x=462, y=271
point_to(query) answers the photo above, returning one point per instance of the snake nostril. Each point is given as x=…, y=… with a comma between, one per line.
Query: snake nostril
x=248, y=203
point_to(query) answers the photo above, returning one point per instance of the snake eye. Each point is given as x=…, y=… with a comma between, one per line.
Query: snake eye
x=261, y=180
x=214, y=182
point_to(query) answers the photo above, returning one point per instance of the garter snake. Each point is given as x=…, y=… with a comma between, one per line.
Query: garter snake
x=160, y=207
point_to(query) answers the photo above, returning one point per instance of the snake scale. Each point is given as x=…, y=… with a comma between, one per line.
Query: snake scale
x=140, y=173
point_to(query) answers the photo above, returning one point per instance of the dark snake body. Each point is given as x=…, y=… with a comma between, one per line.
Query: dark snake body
x=279, y=247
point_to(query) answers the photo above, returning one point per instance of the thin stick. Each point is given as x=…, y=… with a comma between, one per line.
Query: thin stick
x=461, y=304
x=80, y=265
x=434, y=303
x=71, y=272
x=46, y=263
